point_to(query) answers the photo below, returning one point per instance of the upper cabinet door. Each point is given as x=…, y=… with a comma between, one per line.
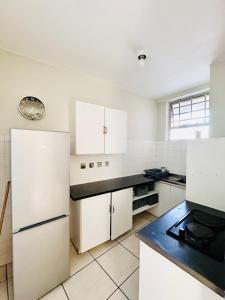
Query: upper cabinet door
x=89, y=128
x=116, y=131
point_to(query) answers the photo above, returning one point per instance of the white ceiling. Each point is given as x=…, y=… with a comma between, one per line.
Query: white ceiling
x=103, y=37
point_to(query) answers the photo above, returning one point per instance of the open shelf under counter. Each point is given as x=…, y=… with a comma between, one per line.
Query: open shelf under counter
x=143, y=208
x=146, y=195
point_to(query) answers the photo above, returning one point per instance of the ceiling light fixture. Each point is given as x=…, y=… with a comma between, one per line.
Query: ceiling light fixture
x=142, y=59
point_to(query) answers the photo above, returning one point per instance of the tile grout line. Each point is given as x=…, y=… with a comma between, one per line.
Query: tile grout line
x=129, y=251
x=65, y=291
x=111, y=277
x=115, y=292
x=129, y=276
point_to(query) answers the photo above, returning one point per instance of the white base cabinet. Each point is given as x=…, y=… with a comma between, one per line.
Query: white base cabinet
x=160, y=279
x=121, y=208
x=90, y=221
x=169, y=197
x=95, y=220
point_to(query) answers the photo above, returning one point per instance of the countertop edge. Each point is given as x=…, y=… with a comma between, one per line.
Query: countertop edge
x=184, y=267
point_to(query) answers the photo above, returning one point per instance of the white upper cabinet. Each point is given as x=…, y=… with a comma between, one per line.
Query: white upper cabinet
x=89, y=128
x=116, y=131
x=100, y=130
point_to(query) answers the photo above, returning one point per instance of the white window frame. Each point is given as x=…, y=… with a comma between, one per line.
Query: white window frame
x=183, y=99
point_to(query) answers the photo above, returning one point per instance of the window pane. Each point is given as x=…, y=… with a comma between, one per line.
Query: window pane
x=198, y=99
x=175, y=111
x=184, y=109
x=207, y=104
x=198, y=106
x=186, y=116
x=174, y=105
x=198, y=114
x=186, y=102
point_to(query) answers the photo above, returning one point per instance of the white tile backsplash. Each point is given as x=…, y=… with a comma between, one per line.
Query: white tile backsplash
x=172, y=155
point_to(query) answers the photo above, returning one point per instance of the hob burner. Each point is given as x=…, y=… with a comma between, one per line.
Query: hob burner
x=203, y=231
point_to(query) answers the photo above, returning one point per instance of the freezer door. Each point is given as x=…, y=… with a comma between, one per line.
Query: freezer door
x=40, y=259
x=40, y=176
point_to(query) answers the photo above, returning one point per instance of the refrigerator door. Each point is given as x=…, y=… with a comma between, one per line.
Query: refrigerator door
x=40, y=176
x=40, y=259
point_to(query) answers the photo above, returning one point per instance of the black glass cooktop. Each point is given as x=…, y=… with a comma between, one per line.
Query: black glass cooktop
x=203, y=231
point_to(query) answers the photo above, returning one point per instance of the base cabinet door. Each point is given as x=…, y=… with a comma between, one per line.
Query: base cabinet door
x=121, y=212
x=177, y=195
x=90, y=222
x=164, y=199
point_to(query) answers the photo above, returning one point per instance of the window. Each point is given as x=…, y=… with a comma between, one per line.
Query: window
x=189, y=117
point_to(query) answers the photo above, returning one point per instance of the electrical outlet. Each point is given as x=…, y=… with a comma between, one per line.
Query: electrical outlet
x=107, y=163
x=99, y=164
x=83, y=165
x=91, y=165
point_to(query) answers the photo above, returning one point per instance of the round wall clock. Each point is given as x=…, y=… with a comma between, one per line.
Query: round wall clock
x=32, y=108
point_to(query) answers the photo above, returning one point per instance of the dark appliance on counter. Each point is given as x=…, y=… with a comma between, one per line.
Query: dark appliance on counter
x=203, y=231
x=156, y=174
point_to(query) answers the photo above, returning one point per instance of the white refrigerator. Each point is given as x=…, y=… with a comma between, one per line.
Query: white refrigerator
x=40, y=211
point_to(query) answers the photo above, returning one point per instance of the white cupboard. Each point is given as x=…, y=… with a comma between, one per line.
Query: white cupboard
x=97, y=219
x=121, y=212
x=99, y=129
x=89, y=131
x=90, y=221
x=116, y=131
x=169, y=196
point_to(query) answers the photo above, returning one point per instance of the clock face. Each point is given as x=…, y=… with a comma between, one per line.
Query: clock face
x=32, y=108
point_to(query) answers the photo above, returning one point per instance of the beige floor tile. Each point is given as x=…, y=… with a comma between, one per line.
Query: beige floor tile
x=3, y=291
x=132, y=243
x=10, y=289
x=131, y=285
x=139, y=221
x=99, y=250
x=118, y=295
x=56, y=294
x=89, y=284
x=125, y=235
x=78, y=261
x=118, y=263
x=148, y=215
x=2, y=274
x=9, y=271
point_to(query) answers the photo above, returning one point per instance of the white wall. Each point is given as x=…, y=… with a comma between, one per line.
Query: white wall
x=217, y=99
x=172, y=155
x=59, y=90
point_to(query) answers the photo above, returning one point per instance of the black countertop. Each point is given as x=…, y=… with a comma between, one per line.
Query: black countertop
x=206, y=269
x=91, y=189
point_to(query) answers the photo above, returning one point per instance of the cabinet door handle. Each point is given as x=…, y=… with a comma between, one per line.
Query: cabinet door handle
x=105, y=130
x=113, y=209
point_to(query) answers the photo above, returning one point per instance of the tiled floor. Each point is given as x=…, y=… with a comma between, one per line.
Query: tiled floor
x=109, y=271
